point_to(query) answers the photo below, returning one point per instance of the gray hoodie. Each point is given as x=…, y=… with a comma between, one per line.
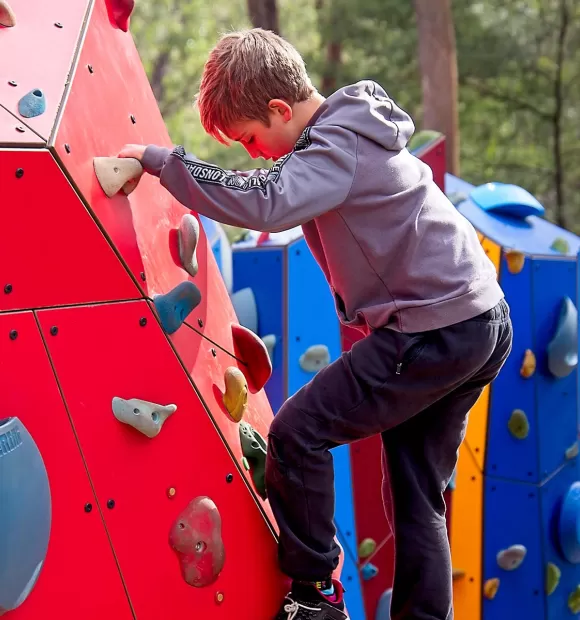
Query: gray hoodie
x=394, y=250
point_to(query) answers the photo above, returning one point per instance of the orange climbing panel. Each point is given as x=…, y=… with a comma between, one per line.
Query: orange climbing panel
x=144, y=484
x=51, y=251
x=41, y=48
x=14, y=133
x=79, y=578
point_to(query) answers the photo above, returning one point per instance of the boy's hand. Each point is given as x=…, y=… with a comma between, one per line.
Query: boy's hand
x=132, y=150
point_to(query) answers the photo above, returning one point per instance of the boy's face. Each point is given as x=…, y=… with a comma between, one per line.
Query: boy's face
x=268, y=142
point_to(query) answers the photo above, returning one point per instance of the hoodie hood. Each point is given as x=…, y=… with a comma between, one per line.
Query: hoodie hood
x=366, y=109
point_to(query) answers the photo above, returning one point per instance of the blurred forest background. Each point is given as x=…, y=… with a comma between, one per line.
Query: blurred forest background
x=500, y=79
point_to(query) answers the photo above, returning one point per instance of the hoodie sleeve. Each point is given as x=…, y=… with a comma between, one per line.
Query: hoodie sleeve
x=314, y=178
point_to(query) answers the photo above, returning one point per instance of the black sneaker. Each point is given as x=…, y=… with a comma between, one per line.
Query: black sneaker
x=311, y=604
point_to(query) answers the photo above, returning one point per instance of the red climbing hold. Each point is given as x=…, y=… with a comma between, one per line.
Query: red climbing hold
x=252, y=350
x=196, y=538
x=7, y=17
x=120, y=12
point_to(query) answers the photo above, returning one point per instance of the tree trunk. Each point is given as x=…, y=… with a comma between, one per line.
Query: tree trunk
x=264, y=14
x=328, y=18
x=438, y=64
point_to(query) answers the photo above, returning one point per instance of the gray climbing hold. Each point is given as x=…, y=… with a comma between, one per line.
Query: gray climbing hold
x=245, y=307
x=188, y=240
x=384, y=605
x=25, y=514
x=32, y=104
x=563, y=348
x=512, y=558
x=148, y=418
x=270, y=341
x=7, y=17
x=116, y=173
x=254, y=450
x=572, y=451
x=315, y=358
x=518, y=424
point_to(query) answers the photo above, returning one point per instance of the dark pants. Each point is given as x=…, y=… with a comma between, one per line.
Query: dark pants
x=415, y=389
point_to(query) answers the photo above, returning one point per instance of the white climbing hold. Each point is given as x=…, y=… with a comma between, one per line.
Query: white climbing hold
x=512, y=558
x=7, y=17
x=116, y=173
x=315, y=358
x=270, y=341
x=148, y=418
x=188, y=240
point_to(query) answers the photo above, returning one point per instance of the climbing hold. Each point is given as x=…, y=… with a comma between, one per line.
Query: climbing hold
x=458, y=573
x=515, y=261
x=572, y=451
x=244, y=304
x=506, y=199
x=512, y=558
x=251, y=350
x=490, y=588
x=174, y=307
x=574, y=601
x=188, y=236
x=120, y=11
x=384, y=605
x=254, y=451
x=245, y=463
x=369, y=571
x=25, y=516
x=315, y=358
x=270, y=342
x=563, y=348
x=528, y=367
x=560, y=245
x=518, y=424
x=148, y=418
x=7, y=17
x=553, y=574
x=32, y=104
x=366, y=548
x=569, y=524
x=196, y=538
x=236, y=395
x=116, y=173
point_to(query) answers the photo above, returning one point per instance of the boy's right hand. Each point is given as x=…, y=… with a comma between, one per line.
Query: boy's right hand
x=132, y=150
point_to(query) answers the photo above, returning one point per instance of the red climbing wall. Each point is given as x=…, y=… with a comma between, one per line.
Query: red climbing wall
x=78, y=272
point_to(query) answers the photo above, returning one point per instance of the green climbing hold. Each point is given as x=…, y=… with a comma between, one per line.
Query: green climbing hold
x=553, y=575
x=574, y=601
x=254, y=450
x=366, y=548
x=560, y=245
x=518, y=424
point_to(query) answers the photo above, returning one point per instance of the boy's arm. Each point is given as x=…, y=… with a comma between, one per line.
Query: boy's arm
x=314, y=178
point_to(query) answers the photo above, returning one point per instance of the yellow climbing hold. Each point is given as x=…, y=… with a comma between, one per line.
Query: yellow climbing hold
x=7, y=17
x=490, y=588
x=515, y=260
x=574, y=601
x=553, y=575
x=116, y=173
x=528, y=365
x=366, y=548
x=518, y=424
x=236, y=396
x=560, y=245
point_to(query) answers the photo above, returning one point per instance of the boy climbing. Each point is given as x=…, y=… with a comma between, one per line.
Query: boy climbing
x=404, y=267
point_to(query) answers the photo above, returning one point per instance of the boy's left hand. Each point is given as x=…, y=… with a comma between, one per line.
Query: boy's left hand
x=132, y=150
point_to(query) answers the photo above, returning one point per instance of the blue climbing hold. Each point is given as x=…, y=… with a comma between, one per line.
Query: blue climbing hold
x=32, y=104
x=569, y=526
x=384, y=605
x=369, y=571
x=174, y=307
x=563, y=348
x=505, y=199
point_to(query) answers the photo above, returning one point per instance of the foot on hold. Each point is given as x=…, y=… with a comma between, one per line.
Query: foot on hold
x=236, y=396
x=148, y=418
x=188, y=239
x=121, y=12
x=196, y=538
x=306, y=601
x=32, y=104
x=254, y=450
x=315, y=358
x=7, y=17
x=116, y=173
x=174, y=307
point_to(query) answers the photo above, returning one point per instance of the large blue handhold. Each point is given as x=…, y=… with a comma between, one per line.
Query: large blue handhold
x=569, y=526
x=174, y=307
x=563, y=348
x=25, y=513
x=505, y=199
x=32, y=104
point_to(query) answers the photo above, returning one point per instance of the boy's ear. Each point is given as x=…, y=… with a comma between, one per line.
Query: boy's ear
x=280, y=107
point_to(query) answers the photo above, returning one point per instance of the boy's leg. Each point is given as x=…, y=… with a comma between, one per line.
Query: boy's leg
x=385, y=380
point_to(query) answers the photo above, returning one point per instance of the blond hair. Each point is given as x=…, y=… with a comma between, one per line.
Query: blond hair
x=244, y=71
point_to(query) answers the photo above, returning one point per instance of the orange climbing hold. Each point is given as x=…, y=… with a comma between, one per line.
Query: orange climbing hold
x=120, y=12
x=7, y=17
x=515, y=261
x=236, y=395
x=490, y=588
x=528, y=367
x=252, y=350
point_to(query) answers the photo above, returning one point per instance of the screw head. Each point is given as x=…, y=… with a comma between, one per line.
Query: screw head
x=20, y=129
x=13, y=83
x=214, y=352
x=229, y=478
x=88, y=507
x=143, y=276
x=171, y=492
x=13, y=334
x=142, y=321
x=110, y=504
x=54, y=330
x=219, y=597
x=58, y=24
x=200, y=322
x=67, y=148
x=133, y=119
x=19, y=173
x=8, y=289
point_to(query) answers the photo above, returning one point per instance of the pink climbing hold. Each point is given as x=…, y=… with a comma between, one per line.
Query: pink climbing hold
x=120, y=11
x=7, y=17
x=252, y=350
x=196, y=538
